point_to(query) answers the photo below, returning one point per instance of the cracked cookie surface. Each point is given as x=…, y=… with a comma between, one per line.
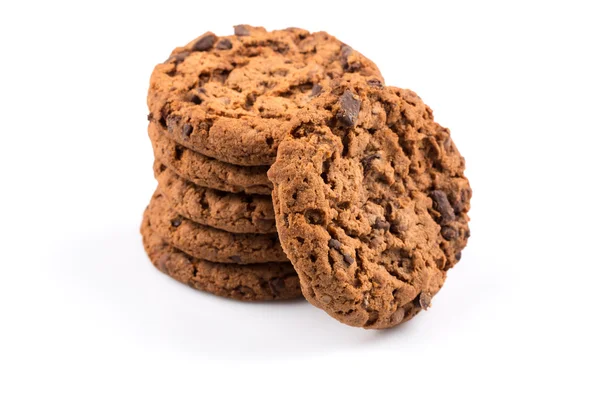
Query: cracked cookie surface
x=206, y=171
x=230, y=97
x=256, y=282
x=211, y=244
x=371, y=203
x=232, y=212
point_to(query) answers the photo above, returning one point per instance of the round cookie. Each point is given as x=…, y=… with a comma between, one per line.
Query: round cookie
x=212, y=244
x=371, y=203
x=231, y=97
x=206, y=171
x=256, y=282
x=232, y=212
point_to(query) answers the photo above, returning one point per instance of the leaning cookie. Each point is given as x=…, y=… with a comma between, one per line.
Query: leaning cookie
x=209, y=243
x=232, y=212
x=231, y=97
x=206, y=171
x=371, y=203
x=256, y=282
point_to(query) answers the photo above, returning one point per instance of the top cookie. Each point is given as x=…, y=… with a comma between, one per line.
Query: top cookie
x=371, y=203
x=228, y=97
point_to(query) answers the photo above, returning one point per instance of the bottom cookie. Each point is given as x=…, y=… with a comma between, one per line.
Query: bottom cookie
x=253, y=282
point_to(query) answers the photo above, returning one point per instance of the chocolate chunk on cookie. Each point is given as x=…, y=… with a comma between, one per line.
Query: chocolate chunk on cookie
x=255, y=282
x=230, y=98
x=232, y=212
x=211, y=244
x=371, y=203
x=204, y=42
x=206, y=171
x=349, y=108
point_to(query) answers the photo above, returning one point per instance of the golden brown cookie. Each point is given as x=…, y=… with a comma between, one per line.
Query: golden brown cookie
x=211, y=244
x=255, y=282
x=231, y=97
x=371, y=203
x=232, y=212
x=206, y=171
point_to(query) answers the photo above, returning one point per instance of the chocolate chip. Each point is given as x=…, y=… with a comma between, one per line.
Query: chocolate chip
x=458, y=256
x=398, y=228
x=424, y=300
x=368, y=160
x=178, y=57
x=250, y=100
x=241, y=30
x=206, y=42
x=224, y=44
x=175, y=222
x=163, y=262
x=442, y=205
x=349, y=108
x=150, y=116
x=348, y=259
x=162, y=122
x=196, y=99
x=172, y=122
x=277, y=285
x=335, y=244
x=448, y=232
x=398, y=315
x=381, y=224
x=187, y=131
x=316, y=89
x=236, y=259
x=346, y=53
x=375, y=83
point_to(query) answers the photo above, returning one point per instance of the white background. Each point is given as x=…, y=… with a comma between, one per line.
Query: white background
x=85, y=315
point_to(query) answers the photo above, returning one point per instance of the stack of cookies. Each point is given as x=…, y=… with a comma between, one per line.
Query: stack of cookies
x=290, y=134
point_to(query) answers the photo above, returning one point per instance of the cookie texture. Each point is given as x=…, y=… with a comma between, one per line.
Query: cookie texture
x=231, y=97
x=206, y=171
x=212, y=244
x=256, y=282
x=232, y=212
x=371, y=203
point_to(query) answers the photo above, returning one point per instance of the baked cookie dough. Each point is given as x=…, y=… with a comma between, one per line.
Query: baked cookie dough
x=231, y=97
x=255, y=282
x=371, y=203
x=232, y=212
x=211, y=244
x=206, y=171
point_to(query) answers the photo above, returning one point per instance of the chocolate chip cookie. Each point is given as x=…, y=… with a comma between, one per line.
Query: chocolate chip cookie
x=231, y=97
x=371, y=203
x=206, y=171
x=232, y=212
x=256, y=282
x=211, y=244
